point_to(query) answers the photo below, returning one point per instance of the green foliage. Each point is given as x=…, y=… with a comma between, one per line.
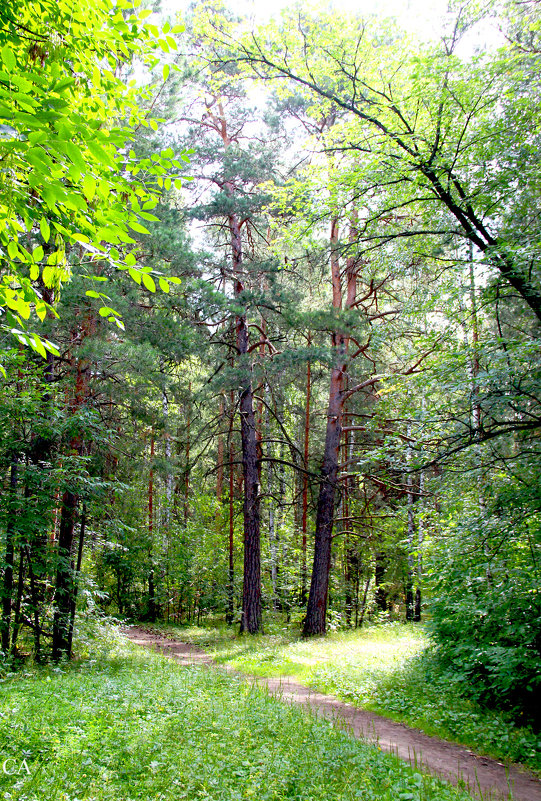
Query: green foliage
x=134, y=724
x=486, y=612
x=68, y=176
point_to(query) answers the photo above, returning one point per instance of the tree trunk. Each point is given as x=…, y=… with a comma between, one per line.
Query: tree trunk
x=65, y=584
x=251, y=592
x=351, y=561
x=420, y=537
x=7, y=584
x=152, y=607
x=305, y=482
x=315, y=621
x=187, y=472
x=411, y=532
x=18, y=602
x=380, y=595
x=231, y=572
x=64, y=577
x=77, y=577
x=316, y=612
x=273, y=539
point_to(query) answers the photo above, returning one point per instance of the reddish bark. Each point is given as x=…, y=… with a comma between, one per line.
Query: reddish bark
x=305, y=481
x=231, y=576
x=251, y=593
x=65, y=585
x=316, y=612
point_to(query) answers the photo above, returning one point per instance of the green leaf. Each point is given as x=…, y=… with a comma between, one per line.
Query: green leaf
x=48, y=276
x=166, y=71
x=37, y=253
x=41, y=310
x=148, y=281
x=45, y=229
x=139, y=228
x=164, y=285
x=37, y=345
x=99, y=153
x=89, y=186
x=51, y=347
x=8, y=58
x=75, y=155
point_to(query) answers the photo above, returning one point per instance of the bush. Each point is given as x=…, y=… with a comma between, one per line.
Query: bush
x=486, y=621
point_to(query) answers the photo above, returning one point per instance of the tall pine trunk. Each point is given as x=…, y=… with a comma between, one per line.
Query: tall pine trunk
x=231, y=569
x=7, y=583
x=305, y=483
x=64, y=587
x=251, y=589
x=316, y=611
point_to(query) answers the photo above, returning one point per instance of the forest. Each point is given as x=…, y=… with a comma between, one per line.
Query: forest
x=270, y=306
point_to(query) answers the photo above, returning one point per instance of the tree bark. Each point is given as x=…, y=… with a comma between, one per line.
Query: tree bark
x=64, y=577
x=273, y=537
x=411, y=532
x=231, y=570
x=251, y=461
x=77, y=577
x=380, y=595
x=305, y=482
x=7, y=583
x=251, y=593
x=152, y=606
x=18, y=602
x=316, y=611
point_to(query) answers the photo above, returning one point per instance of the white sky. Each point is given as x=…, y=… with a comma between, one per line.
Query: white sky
x=421, y=17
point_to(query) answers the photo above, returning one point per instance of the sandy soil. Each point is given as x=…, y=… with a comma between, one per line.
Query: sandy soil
x=482, y=776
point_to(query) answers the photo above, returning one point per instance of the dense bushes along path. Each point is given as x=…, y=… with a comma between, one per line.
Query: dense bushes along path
x=483, y=776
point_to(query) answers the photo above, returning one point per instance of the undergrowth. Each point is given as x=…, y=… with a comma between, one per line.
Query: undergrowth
x=389, y=669
x=131, y=724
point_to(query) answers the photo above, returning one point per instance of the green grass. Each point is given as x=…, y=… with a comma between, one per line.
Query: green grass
x=387, y=669
x=135, y=725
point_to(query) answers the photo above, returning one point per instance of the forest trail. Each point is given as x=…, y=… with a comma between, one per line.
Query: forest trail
x=483, y=777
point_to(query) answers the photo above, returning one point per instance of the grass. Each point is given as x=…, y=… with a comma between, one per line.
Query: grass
x=134, y=725
x=387, y=669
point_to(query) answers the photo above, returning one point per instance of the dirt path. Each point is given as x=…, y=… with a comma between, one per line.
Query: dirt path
x=483, y=776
